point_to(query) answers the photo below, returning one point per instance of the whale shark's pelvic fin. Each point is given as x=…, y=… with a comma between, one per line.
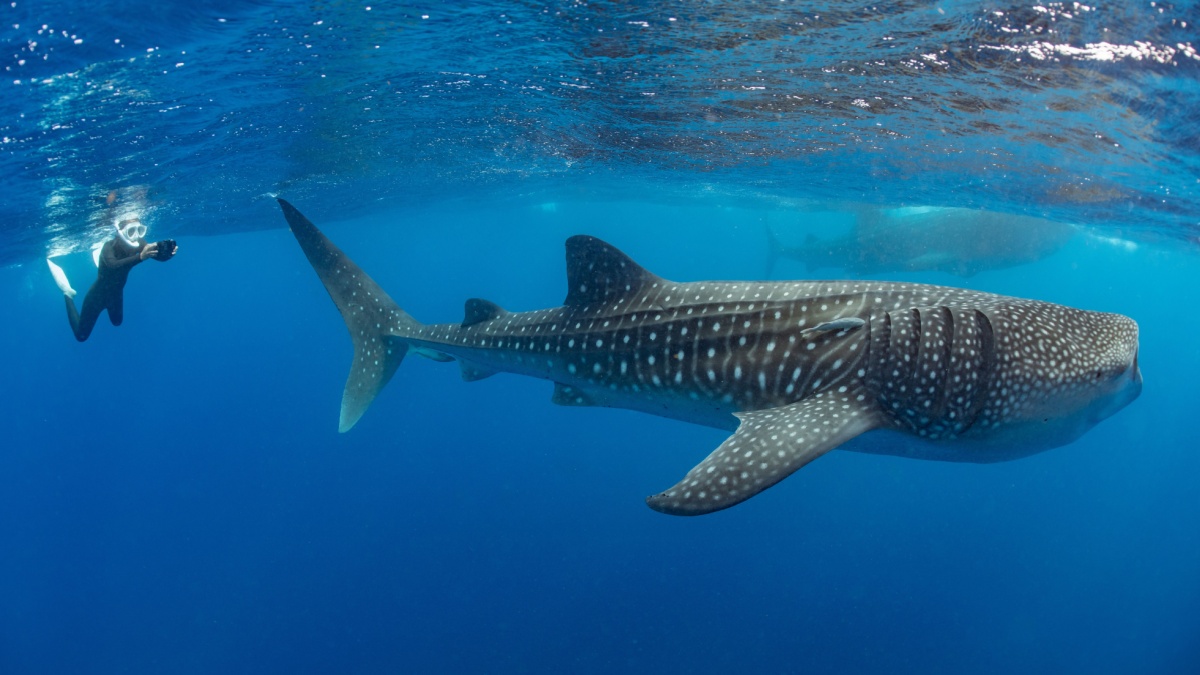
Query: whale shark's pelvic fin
x=376, y=323
x=766, y=448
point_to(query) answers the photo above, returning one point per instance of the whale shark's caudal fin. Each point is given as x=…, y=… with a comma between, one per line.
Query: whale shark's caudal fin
x=377, y=324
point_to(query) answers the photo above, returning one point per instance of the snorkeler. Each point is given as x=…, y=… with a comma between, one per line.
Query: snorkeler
x=116, y=258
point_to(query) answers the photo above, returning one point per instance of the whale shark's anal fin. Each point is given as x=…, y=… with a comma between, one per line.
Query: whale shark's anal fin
x=376, y=323
x=473, y=373
x=766, y=448
x=565, y=394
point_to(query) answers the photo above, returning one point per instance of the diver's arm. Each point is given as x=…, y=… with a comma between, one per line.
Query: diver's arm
x=109, y=259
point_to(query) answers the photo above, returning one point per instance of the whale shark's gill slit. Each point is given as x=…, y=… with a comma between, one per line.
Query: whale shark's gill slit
x=885, y=333
x=881, y=332
x=948, y=315
x=970, y=373
x=986, y=365
x=943, y=371
x=915, y=328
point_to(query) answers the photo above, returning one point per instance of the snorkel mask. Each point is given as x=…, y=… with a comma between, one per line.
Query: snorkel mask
x=131, y=231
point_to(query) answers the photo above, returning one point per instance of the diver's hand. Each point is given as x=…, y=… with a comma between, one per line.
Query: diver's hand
x=148, y=251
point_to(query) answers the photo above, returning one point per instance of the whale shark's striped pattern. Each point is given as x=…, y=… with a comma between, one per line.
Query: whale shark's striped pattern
x=795, y=369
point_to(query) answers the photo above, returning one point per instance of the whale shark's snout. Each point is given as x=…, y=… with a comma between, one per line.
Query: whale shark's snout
x=1137, y=371
x=1128, y=386
x=1118, y=376
x=1132, y=384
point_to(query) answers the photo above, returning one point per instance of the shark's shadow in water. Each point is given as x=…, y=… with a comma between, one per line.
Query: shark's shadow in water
x=792, y=369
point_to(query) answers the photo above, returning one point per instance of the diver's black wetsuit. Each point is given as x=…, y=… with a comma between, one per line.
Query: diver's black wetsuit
x=116, y=259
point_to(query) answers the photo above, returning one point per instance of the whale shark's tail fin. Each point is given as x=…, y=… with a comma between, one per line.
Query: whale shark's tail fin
x=377, y=324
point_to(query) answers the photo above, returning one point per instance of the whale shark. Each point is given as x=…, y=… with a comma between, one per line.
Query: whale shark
x=958, y=241
x=791, y=369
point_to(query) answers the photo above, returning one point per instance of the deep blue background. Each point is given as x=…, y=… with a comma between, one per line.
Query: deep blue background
x=174, y=496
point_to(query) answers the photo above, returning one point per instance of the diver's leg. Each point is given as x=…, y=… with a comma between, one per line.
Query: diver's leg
x=72, y=315
x=82, y=323
x=116, y=308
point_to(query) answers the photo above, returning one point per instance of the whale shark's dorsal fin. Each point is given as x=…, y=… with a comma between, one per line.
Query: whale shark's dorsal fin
x=598, y=273
x=478, y=311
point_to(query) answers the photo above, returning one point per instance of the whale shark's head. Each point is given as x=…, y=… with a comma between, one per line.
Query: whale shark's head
x=1073, y=368
x=1107, y=375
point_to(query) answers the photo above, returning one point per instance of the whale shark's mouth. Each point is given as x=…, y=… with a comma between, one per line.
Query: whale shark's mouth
x=1135, y=372
x=1129, y=389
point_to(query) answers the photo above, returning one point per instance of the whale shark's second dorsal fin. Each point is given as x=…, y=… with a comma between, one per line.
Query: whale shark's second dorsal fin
x=598, y=273
x=478, y=311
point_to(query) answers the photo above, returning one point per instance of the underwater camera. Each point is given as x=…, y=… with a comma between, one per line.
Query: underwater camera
x=166, y=249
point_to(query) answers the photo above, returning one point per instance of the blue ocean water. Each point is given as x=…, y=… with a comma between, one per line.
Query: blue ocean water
x=175, y=497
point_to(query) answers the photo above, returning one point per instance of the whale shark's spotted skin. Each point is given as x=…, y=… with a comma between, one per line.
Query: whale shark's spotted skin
x=794, y=368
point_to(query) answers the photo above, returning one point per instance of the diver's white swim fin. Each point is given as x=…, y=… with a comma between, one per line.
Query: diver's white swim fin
x=60, y=278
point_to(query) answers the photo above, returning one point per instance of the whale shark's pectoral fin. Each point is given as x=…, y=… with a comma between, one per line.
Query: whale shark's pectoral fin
x=767, y=447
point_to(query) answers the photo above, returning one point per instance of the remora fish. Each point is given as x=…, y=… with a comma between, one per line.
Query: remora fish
x=794, y=369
